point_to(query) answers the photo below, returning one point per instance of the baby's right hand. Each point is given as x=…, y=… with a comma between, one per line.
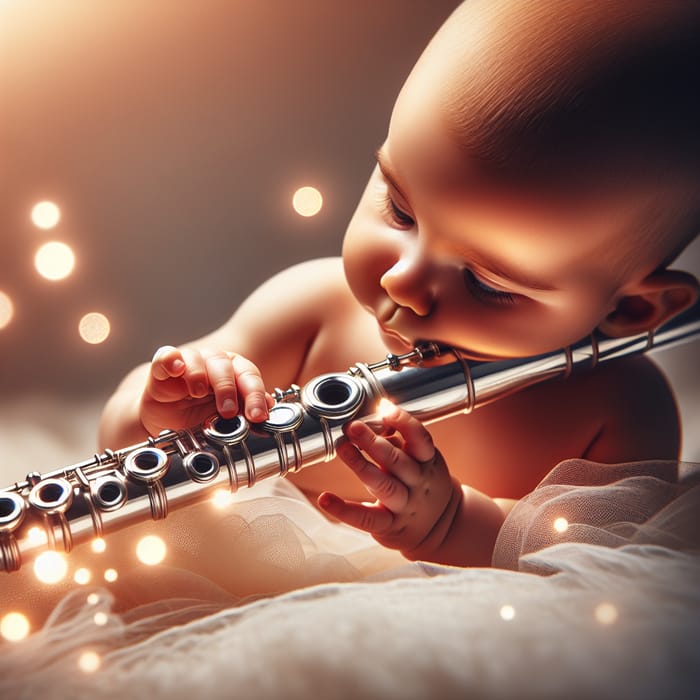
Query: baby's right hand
x=186, y=385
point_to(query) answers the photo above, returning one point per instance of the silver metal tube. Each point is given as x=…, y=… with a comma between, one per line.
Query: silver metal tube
x=176, y=468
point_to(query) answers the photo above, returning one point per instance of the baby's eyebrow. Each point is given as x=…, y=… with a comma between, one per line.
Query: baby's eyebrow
x=386, y=170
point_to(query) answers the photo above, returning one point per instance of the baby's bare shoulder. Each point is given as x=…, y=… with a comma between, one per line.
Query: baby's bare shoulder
x=630, y=407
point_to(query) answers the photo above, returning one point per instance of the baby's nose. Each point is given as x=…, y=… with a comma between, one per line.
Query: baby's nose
x=407, y=282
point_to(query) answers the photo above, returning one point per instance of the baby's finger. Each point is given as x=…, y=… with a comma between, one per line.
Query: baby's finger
x=167, y=362
x=418, y=443
x=251, y=389
x=222, y=380
x=387, y=489
x=195, y=375
x=384, y=452
x=370, y=518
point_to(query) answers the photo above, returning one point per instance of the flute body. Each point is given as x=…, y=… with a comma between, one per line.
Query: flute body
x=147, y=480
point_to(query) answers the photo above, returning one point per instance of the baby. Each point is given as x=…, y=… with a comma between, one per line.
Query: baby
x=539, y=174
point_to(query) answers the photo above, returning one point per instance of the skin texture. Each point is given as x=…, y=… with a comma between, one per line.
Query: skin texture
x=442, y=248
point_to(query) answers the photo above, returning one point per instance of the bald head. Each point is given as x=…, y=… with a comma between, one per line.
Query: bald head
x=564, y=94
x=531, y=84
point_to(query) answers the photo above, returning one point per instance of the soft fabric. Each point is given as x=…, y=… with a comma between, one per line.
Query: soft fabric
x=267, y=599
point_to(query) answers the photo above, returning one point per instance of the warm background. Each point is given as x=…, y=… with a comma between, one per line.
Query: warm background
x=172, y=136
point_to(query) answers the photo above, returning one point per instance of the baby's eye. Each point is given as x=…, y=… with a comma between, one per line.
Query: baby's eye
x=395, y=214
x=484, y=291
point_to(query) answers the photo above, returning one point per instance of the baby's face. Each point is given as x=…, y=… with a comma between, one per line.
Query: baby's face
x=436, y=250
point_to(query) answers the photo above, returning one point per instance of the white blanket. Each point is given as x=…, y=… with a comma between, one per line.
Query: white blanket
x=267, y=599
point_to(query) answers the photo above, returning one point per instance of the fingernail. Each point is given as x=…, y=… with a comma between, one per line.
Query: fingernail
x=228, y=406
x=178, y=365
x=258, y=414
x=200, y=390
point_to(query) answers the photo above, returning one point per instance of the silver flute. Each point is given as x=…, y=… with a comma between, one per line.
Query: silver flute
x=117, y=488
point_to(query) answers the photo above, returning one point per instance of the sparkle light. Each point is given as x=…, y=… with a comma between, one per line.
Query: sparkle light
x=111, y=575
x=7, y=310
x=50, y=567
x=93, y=599
x=606, y=613
x=98, y=545
x=82, y=576
x=151, y=550
x=561, y=524
x=222, y=498
x=89, y=661
x=100, y=618
x=507, y=612
x=14, y=627
x=54, y=260
x=45, y=215
x=36, y=535
x=386, y=408
x=307, y=201
x=94, y=328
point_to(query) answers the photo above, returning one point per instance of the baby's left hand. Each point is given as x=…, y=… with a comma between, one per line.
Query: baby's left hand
x=417, y=499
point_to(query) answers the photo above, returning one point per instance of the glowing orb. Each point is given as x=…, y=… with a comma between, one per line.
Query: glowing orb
x=151, y=550
x=111, y=575
x=14, y=627
x=507, y=612
x=100, y=618
x=45, y=215
x=561, y=524
x=37, y=536
x=82, y=576
x=89, y=661
x=54, y=260
x=307, y=201
x=606, y=613
x=50, y=567
x=93, y=599
x=222, y=498
x=98, y=545
x=385, y=408
x=7, y=310
x=94, y=328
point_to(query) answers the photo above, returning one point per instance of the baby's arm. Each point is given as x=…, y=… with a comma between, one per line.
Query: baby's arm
x=180, y=387
x=421, y=510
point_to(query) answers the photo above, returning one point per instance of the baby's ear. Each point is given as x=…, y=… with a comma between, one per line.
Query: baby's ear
x=650, y=303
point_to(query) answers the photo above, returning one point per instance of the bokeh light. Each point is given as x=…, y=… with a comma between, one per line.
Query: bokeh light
x=93, y=599
x=50, y=567
x=561, y=524
x=45, y=215
x=111, y=575
x=89, y=661
x=82, y=576
x=98, y=545
x=151, y=550
x=307, y=201
x=507, y=612
x=37, y=536
x=54, y=260
x=222, y=498
x=94, y=328
x=386, y=408
x=14, y=627
x=100, y=618
x=606, y=613
x=7, y=310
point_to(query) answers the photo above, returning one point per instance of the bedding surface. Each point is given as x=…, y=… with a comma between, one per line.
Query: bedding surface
x=267, y=599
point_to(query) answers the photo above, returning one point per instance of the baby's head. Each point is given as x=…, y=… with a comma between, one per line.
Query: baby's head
x=541, y=170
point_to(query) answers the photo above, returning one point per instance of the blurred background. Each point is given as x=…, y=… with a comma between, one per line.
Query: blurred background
x=165, y=142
